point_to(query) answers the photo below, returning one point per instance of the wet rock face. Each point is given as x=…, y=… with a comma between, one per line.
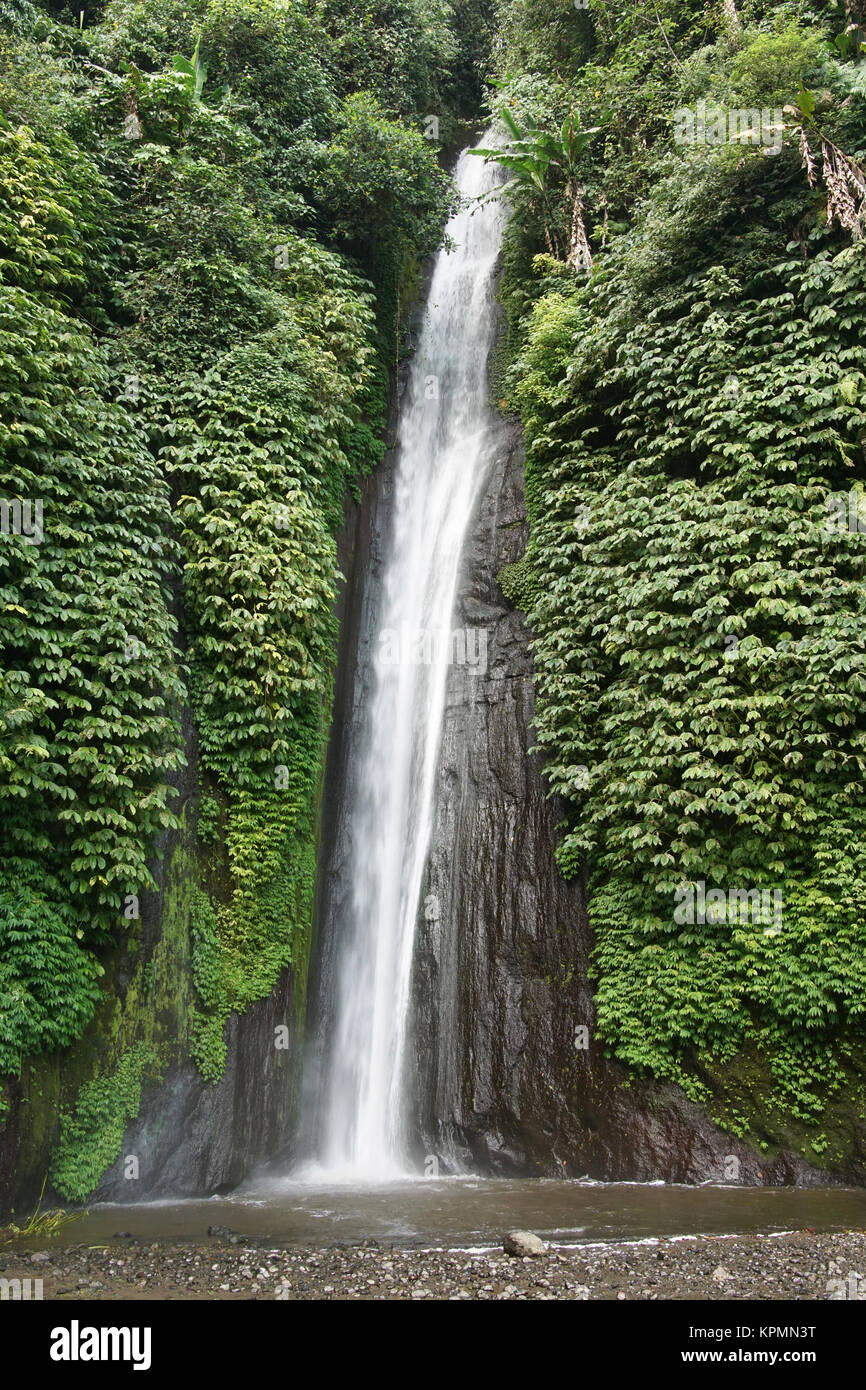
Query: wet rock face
x=193, y=1138
x=510, y=1075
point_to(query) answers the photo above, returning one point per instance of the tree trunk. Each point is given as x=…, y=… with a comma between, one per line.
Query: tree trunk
x=579, y=254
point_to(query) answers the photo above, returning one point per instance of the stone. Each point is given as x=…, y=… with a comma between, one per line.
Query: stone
x=523, y=1244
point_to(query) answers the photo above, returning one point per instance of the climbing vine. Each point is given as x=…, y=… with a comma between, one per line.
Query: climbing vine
x=91, y=1136
x=197, y=328
x=695, y=410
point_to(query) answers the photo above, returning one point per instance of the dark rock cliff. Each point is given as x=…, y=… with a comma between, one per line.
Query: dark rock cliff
x=506, y=1083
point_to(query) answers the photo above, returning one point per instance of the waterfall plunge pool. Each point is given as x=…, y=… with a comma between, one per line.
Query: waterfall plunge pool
x=469, y=1212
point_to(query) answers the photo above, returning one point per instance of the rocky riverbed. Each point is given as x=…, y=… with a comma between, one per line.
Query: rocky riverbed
x=799, y=1265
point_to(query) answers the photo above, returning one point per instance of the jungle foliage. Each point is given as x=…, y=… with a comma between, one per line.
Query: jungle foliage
x=695, y=408
x=206, y=209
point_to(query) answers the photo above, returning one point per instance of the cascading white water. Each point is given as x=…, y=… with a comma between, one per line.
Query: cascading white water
x=444, y=446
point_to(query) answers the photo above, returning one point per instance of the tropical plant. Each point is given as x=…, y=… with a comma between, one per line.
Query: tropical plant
x=193, y=71
x=532, y=156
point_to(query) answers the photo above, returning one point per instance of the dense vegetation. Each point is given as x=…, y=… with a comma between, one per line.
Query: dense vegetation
x=212, y=215
x=211, y=211
x=693, y=394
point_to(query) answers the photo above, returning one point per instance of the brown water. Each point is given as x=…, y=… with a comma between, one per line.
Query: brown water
x=467, y=1212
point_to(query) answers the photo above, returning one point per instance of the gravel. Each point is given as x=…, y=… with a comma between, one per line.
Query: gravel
x=799, y=1265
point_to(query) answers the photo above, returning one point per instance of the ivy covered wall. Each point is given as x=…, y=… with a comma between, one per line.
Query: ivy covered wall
x=209, y=222
x=687, y=303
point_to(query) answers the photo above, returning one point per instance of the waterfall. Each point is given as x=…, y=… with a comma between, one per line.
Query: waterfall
x=445, y=444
